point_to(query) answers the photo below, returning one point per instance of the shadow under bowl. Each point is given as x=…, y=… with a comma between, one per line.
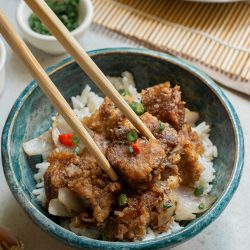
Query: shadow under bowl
x=32, y=112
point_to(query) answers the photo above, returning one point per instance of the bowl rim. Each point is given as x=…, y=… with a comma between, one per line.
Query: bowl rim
x=3, y=55
x=26, y=29
x=187, y=232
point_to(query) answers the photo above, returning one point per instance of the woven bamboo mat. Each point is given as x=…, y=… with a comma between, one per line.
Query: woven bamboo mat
x=214, y=35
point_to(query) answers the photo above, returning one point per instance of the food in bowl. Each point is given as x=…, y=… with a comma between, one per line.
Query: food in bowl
x=162, y=182
x=66, y=11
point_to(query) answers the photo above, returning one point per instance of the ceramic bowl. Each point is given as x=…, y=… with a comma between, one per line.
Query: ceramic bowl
x=2, y=65
x=47, y=43
x=30, y=116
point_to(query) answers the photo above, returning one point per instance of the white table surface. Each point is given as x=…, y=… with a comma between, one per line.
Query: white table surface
x=231, y=231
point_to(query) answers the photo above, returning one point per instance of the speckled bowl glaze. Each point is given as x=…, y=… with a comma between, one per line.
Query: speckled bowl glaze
x=32, y=112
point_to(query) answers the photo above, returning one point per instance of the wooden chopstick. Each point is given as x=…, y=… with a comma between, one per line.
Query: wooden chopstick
x=56, y=27
x=48, y=87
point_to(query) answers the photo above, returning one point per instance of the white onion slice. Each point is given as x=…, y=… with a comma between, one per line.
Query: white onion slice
x=188, y=204
x=191, y=117
x=165, y=215
x=68, y=199
x=39, y=145
x=60, y=126
x=58, y=209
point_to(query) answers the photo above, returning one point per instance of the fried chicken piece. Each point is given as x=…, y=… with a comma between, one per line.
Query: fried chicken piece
x=101, y=141
x=191, y=148
x=137, y=167
x=165, y=103
x=85, y=178
x=167, y=135
x=123, y=128
x=153, y=208
x=97, y=130
x=94, y=122
x=110, y=116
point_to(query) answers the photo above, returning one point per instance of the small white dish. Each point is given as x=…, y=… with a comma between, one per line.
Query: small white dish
x=47, y=43
x=2, y=65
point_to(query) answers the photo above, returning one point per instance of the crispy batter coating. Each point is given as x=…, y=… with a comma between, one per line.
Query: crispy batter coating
x=142, y=211
x=136, y=167
x=191, y=147
x=165, y=103
x=110, y=116
x=85, y=178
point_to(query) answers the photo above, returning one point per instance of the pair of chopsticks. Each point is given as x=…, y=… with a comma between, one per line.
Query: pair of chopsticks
x=56, y=27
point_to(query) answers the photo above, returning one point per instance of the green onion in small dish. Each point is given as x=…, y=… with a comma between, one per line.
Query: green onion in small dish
x=66, y=11
x=76, y=15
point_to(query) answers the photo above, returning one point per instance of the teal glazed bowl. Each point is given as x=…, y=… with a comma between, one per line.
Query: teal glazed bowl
x=32, y=112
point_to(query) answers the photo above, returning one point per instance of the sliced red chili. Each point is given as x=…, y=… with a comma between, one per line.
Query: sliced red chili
x=136, y=147
x=66, y=139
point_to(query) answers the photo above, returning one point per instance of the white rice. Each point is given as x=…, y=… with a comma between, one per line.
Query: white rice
x=126, y=82
x=87, y=103
x=39, y=191
x=206, y=160
x=173, y=228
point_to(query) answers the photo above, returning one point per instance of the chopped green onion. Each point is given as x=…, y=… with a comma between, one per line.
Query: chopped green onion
x=122, y=200
x=77, y=150
x=75, y=139
x=167, y=205
x=66, y=11
x=199, y=191
x=201, y=206
x=138, y=108
x=124, y=92
x=132, y=136
x=130, y=150
x=161, y=126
